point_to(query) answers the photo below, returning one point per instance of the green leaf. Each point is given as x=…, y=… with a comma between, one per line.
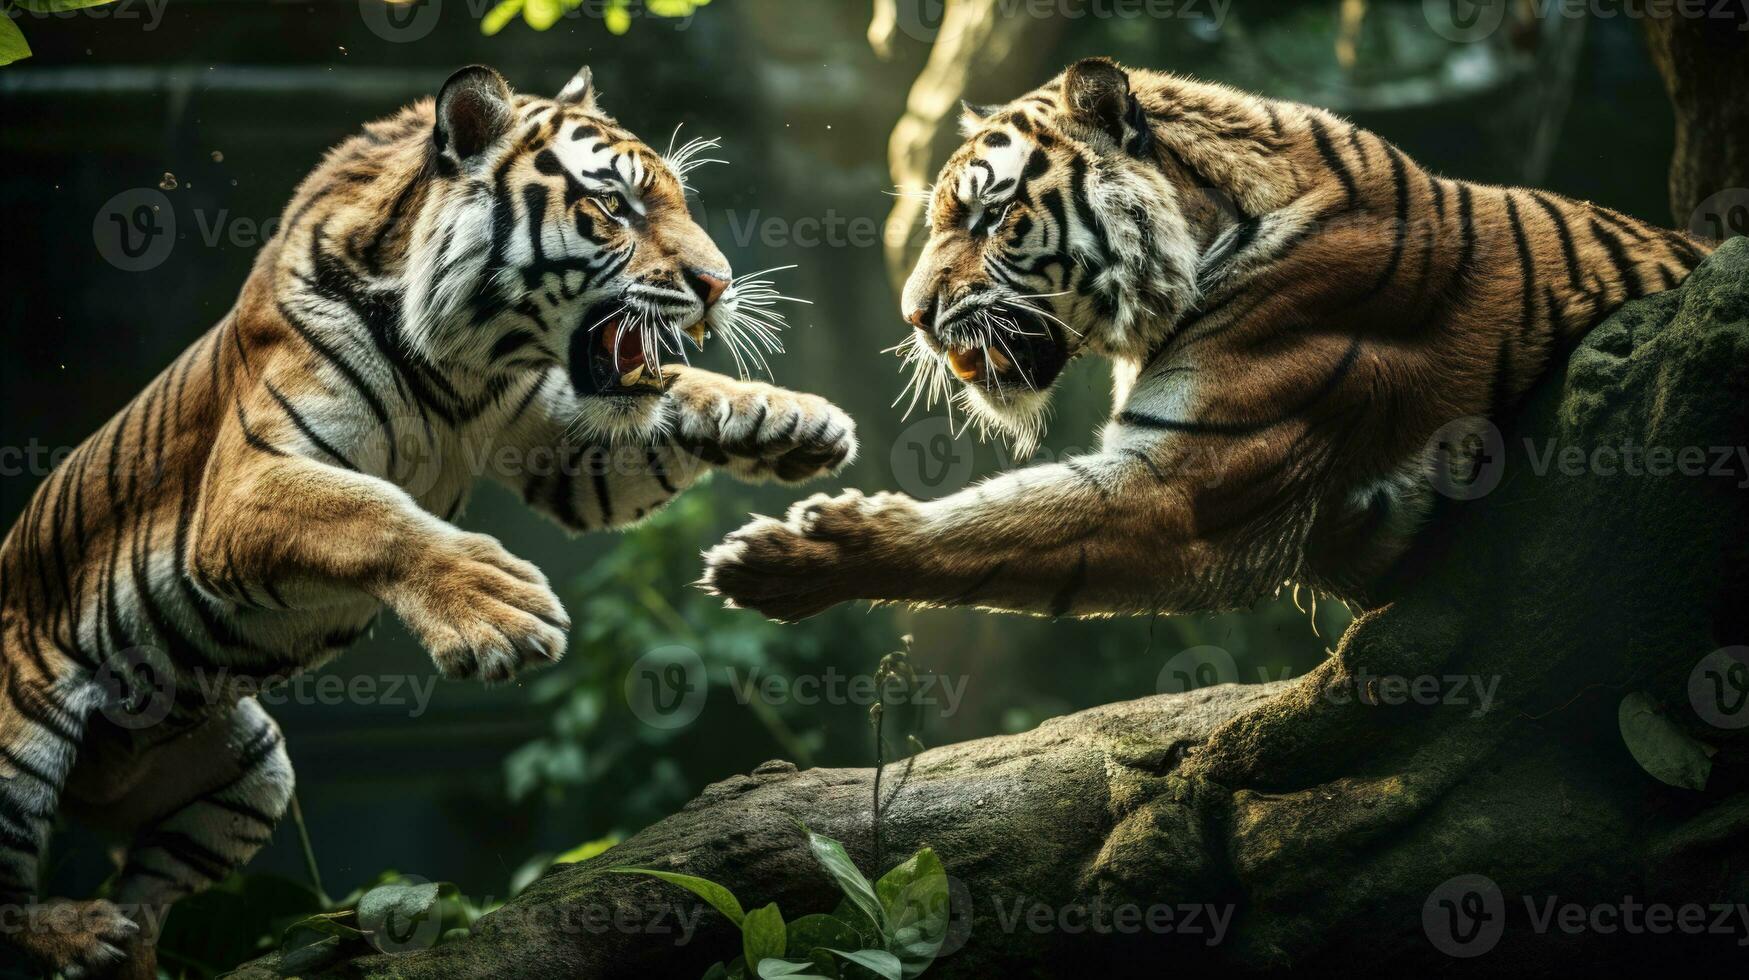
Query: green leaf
x=773, y=969
x=811, y=932
x=309, y=957
x=762, y=936
x=617, y=18
x=12, y=46
x=398, y=904
x=831, y=856
x=914, y=896
x=717, y=971
x=542, y=14
x=56, y=6
x=1661, y=748
x=499, y=16
x=720, y=898
x=814, y=936
x=880, y=961
x=310, y=928
x=583, y=852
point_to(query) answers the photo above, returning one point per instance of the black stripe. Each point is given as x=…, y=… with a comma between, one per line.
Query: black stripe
x=1467, y=223
x=598, y=473
x=40, y=775
x=1566, y=236
x=1065, y=598
x=309, y=431
x=1143, y=458
x=251, y=438
x=1075, y=467
x=1332, y=159
x=1618, y=255
x=1526, y=267
x=1142, y=420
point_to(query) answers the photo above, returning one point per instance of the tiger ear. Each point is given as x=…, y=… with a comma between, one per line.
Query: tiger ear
x=474, y=111
x=579, y=91
x=1097, y=93
x=972, y=116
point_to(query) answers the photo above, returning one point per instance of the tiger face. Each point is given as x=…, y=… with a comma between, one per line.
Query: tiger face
x=553, y=235
x=1052, y=231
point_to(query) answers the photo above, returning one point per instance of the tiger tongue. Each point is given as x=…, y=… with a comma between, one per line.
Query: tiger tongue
x=627, y=349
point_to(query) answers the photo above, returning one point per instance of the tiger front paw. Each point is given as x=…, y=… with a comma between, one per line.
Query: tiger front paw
x=83, y=939
x=481, y=611
x=758, y=431
x=827, y=550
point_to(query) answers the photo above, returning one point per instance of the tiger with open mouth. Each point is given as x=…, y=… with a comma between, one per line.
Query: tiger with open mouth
x=1292, y=308
x=487, y=284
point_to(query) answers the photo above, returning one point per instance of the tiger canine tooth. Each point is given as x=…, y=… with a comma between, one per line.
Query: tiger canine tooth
x=697, y=332
x=998, y=359
x=631, y=377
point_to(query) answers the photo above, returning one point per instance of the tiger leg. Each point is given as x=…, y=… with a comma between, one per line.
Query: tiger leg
x=1098, y=534
x=753, y=431
x=39, y=742
x=201, y=805
x=301, y=528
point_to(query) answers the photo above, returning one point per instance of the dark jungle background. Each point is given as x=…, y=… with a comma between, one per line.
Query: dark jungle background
x=221, y=107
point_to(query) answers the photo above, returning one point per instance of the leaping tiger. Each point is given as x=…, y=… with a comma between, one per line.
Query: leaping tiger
x=1292, y=309
x=483, y=284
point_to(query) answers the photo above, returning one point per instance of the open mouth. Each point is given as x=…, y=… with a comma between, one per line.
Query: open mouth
x=1024, y=351
x=611, y=356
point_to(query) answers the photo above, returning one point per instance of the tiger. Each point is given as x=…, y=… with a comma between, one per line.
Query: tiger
x=1300, y=321
x=484, y=284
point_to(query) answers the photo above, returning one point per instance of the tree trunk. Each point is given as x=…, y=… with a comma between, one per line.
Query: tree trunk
x=1705, y=64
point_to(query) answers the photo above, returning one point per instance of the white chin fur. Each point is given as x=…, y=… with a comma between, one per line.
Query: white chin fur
x=1018, y=416
x=617, y=419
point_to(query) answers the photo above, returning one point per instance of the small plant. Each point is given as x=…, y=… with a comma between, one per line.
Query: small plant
x=891, y=929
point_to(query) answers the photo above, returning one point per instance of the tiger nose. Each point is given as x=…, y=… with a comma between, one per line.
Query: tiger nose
x=923, y=317
x=706, y=287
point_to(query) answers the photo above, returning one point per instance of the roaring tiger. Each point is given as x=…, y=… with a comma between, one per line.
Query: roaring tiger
x=1293, y=310
x=482, y=285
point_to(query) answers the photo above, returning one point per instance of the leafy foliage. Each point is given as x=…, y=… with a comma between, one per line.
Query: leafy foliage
x=890, y=929
x=615, y=14
x=634, y=600
x=12, y=43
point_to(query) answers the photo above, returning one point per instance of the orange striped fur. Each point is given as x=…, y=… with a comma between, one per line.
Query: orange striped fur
x=484, y=285
x=1292, y=309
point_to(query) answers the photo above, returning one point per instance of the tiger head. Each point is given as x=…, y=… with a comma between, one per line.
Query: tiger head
x=543, y=233
x=1053, y=230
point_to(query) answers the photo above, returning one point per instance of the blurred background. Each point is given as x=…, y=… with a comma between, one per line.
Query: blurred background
x=825, y=110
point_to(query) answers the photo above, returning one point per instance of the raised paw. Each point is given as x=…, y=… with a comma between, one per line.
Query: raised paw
x=83, y=939
x=481, y=611
x=827, y=550
x=758, y=431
